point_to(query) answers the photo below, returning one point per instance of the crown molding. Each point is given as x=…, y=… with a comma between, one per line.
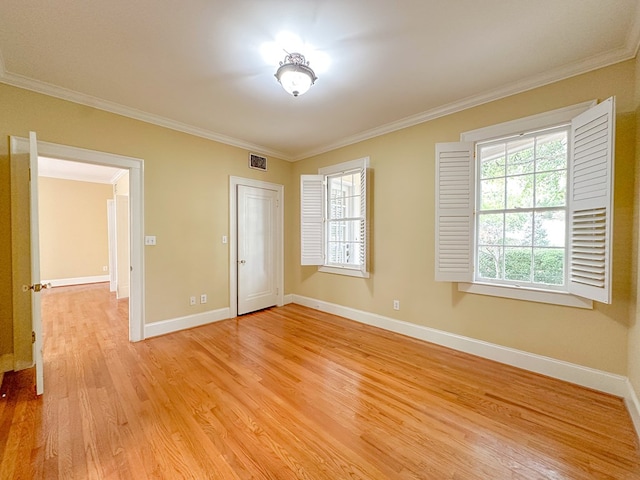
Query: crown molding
x=566, y=71
x=112, y=107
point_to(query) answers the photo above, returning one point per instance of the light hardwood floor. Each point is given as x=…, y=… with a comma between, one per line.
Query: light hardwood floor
x=292, y=393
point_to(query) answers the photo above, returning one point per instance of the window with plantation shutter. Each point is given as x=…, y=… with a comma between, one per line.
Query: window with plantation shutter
x=524, y=209
x=334, y=226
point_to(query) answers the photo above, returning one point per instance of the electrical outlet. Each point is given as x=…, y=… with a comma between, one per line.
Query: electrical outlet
x=203, y=298
x=105, y=269
x=396, y=304
x=192, y=301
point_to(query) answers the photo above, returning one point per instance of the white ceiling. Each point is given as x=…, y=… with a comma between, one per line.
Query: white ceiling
x=82, y=172
x=195, y=65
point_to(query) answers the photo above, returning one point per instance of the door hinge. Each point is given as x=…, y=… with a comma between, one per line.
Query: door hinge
x=33, y=336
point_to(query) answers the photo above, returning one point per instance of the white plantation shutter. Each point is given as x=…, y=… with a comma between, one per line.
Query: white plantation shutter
x=455, y=198
x=591, y=202
x=312, y=219
x=364, y=227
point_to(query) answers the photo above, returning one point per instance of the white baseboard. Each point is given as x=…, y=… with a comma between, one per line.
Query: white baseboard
x=65, y=282
x=182, y=323
x=287, y=299
x=570, y=372
x=122, y=291
x=633, y=405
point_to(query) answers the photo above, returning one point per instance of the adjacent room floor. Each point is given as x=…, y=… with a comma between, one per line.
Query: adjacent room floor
x=291, y=393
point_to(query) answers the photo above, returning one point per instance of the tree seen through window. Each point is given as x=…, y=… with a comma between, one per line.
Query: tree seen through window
x=521, y=221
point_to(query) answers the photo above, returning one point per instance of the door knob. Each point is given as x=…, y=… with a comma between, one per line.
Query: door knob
x=36, y=287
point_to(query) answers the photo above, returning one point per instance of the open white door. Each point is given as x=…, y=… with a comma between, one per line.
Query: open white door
x=25, y=234
x=257, y=248
x=36, y=314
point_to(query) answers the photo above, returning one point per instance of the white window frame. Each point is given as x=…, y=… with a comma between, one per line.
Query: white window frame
x=313, y=225
x=456, y=181
x=564, y=127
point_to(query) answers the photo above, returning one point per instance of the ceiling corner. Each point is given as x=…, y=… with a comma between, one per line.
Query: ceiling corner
x=633, y=39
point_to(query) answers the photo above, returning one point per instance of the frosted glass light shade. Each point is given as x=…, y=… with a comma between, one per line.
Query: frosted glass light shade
x=296, y=78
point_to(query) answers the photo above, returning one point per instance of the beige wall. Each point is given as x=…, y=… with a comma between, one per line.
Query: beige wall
x=122, y=185
x=21, y=355
x=73, y=228
x=186, y=195
x=402, y=248
x=634, y=324
x=6, y=294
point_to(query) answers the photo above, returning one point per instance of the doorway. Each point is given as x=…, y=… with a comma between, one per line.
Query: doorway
x=77, y=223
x=135, y=223
x=256, y=223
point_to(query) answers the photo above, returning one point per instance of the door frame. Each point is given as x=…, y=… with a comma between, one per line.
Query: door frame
x=233, y=238
x=135, y=166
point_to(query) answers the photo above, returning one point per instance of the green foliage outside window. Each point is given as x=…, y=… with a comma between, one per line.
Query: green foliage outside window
x=522, y=207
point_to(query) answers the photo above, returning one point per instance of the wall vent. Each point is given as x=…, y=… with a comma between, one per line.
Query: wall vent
x=257, y=162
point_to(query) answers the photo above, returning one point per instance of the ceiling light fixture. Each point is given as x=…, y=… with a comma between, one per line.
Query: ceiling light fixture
x=295, y=75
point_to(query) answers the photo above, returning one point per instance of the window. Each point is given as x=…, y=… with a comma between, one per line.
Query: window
x=521, y=209
x=334, y=218
x=524, y=209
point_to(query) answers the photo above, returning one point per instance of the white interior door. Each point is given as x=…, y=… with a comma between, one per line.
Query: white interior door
x=257, y=265
x=26, y=274
x=36, y=314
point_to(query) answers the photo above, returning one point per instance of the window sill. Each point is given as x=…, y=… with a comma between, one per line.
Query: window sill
x=528, y=294
x=344, y=271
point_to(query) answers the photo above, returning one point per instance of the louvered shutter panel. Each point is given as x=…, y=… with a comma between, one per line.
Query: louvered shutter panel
x=455, y=187
x=312, y=219
x=591, y=202
x=363, y=223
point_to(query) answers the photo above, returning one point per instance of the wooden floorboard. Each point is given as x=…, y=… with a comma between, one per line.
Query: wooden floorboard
x=291, y=393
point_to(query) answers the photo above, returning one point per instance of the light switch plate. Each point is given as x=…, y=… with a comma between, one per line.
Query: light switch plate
x=150, y=240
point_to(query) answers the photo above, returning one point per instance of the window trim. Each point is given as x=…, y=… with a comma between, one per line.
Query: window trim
x=515, y=127
x=531, y=123
x=534, y=122
x=361, y=271
x=350, y=272
x=526, y=293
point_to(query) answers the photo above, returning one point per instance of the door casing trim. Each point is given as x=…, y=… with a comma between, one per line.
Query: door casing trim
x=135, y=166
